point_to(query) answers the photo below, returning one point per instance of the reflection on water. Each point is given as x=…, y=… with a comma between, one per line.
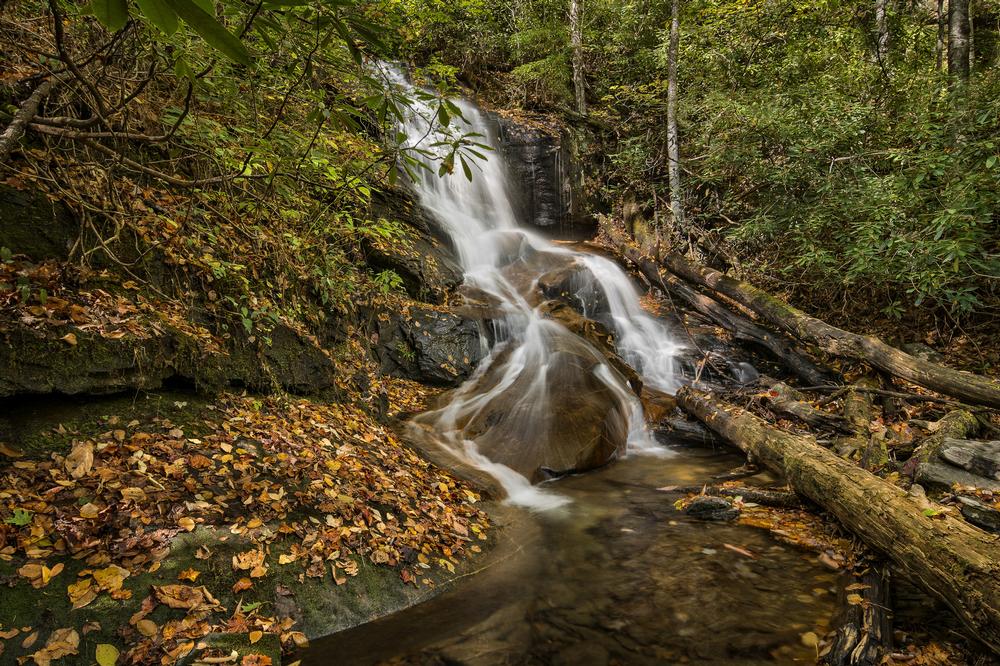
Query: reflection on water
x=617, y=576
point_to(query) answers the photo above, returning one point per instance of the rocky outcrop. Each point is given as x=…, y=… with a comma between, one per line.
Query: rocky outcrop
x=428, y=344
x=540, y=164
x=38, y=361
x=33, y=225
x=418, y=252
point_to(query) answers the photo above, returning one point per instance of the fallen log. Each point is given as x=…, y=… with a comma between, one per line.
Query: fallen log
x=953, y=561
x=783, y=399
x=741, y=327
x=967, y=386
x=864, y=629
x=682, y=432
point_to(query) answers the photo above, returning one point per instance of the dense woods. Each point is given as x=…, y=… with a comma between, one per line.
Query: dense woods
x=232, y=310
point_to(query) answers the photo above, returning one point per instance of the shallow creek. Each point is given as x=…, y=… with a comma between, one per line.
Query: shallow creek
x=616, y=576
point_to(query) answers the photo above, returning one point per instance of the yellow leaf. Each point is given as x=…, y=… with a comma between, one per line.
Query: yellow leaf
x=186, y=523
x=255, y=523
x=189, y=574
x=69, y=338
x=89, y=511
x=106, y=655
x=854, y=599
x=255, y=636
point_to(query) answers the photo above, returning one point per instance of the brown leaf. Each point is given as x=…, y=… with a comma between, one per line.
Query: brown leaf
x=80, y=460
x=70, y=339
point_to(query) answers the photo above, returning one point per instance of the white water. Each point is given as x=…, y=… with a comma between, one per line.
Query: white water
x=517, y=406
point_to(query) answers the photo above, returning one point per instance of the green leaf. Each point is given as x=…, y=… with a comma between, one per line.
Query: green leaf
x=159, y=14
x=443, y=116
x=107, y=655
x=990, y=161
x=465, y=168
x=211, y=30
x=112, y=13
x=20, y=518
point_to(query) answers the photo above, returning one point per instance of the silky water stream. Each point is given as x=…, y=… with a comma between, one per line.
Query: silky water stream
x=591, y=568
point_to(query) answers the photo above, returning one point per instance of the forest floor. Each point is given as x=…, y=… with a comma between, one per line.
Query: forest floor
x=154, y=523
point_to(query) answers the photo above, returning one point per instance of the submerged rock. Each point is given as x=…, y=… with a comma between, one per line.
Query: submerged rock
x=704, y=507
x=432, y=345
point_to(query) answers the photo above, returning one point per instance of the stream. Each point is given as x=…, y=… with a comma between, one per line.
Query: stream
x=596, y=567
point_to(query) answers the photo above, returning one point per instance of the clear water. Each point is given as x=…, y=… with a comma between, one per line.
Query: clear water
x=616, y=576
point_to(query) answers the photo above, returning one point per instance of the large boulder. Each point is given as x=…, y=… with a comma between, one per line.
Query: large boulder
x=596, y=334
x=545, y=406
x=428, y=344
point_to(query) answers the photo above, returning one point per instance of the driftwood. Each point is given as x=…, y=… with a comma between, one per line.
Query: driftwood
x=864, y=629
x=952, y=560
x=740, y=326
x=969, y=387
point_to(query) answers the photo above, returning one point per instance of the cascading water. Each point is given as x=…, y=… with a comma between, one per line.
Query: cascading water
x=545, y=400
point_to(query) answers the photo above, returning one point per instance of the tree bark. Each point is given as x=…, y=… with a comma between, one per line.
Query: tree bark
x=864, y=632
x=882, y=34
x=576, y=43
x=958, y=39
x=969, y=387
x=673, y=140
x=941, y=46
x=950, y=559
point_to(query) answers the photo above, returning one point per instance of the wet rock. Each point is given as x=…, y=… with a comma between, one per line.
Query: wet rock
x=426, y=266
x=979, y=514
x=432, y=345
x=540, y=164
x=574, y=285
x=712, y=508
x=33, y=225
x=596, y=334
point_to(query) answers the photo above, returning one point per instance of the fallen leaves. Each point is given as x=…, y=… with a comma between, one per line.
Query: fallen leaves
x=118, y=498
x=61, y=643
x=80, y=460
x=39, y=574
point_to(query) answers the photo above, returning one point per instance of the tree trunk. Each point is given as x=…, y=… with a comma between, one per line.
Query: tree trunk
x=950, y=559
x=882, y=34
x=969, y=387
x=942, y=21
x=958, y=39
x=673, y=140
x=576, y=42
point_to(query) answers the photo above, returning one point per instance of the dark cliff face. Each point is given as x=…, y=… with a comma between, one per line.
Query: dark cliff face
x=542, y=174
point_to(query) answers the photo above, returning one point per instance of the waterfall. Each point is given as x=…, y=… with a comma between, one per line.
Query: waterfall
x=544, y=400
